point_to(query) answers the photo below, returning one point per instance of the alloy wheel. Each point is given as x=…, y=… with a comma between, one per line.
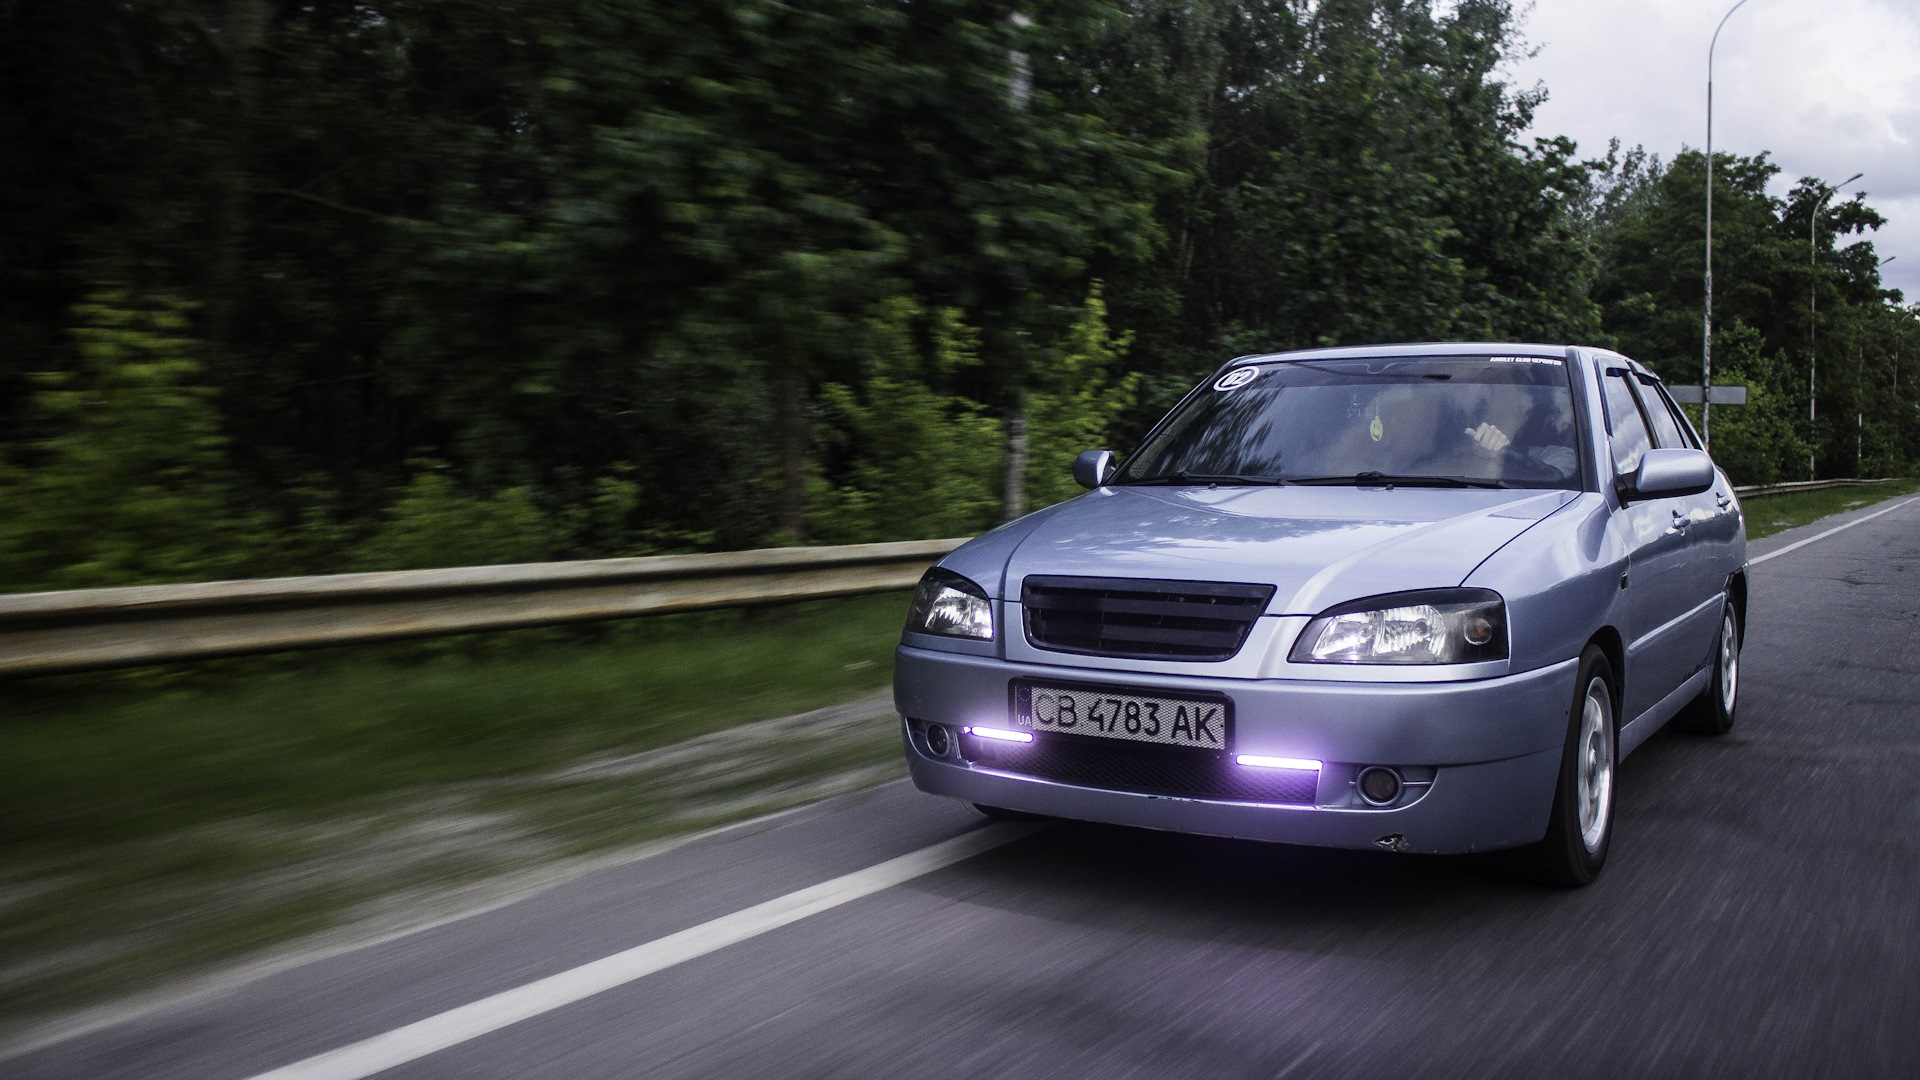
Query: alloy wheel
x=1594, y=769
x=1729, y=663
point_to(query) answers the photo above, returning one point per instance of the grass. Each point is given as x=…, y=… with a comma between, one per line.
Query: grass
x=1770, y=514
x=162, y=821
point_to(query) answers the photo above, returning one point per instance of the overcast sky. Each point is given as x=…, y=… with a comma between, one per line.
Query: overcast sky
x=1831, y=87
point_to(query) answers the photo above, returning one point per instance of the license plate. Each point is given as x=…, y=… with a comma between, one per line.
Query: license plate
x=1196, y=722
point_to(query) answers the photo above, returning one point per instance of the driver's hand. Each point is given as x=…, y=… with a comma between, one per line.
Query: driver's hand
x=1489, y=437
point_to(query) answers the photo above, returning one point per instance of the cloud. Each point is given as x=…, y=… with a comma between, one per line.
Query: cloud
x=1829, y=89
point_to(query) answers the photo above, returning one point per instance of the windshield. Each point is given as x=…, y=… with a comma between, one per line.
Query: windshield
x=1498, y=421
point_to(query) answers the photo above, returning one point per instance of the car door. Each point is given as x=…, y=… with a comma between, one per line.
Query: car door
x=1659, y=561
x=1716, y=526
x=1704, y=524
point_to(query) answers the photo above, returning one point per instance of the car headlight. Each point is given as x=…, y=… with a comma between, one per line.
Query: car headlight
x=946, y=603
x=1439, y=626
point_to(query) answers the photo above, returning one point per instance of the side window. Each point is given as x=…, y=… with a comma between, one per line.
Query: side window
x=1629, y=431
x=1680, y=419
x=1666, y=432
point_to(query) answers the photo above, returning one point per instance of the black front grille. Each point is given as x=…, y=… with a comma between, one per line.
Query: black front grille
x=1143, y=768
x=1145, y=620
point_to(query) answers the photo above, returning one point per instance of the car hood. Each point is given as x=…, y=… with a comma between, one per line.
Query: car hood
x=1318, y=546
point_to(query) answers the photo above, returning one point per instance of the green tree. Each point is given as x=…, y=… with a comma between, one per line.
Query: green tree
x=627, y=257
x=1357, y=176
x=435, y=523
x=1084, y=396
x=914, y=459
x=127, y=481
x=1767, y=279
x=1759, y=442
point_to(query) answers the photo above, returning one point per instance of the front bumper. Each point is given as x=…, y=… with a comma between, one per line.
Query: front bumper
x=1490, y=747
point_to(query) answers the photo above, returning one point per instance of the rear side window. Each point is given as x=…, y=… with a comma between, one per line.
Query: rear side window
x=1629, y=430
x=1666, y=431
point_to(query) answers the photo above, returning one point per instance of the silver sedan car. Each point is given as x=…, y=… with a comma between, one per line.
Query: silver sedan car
x=1415, y=597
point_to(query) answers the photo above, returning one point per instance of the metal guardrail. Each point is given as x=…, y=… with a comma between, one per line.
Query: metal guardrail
x=1758, y=490
x=52, y=632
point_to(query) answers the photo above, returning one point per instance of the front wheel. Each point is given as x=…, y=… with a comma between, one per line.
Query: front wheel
x=1581, y=824
x=1712, y=712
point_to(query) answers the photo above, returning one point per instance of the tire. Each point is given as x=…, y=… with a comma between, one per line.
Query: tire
x=1713, y=711
x=1580, y=827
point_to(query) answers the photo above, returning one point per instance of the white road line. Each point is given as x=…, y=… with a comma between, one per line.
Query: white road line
x=455, y=1026
x=1798, y=544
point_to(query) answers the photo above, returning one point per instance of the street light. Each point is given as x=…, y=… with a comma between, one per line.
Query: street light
x=1706, y=340
x=1813, y=305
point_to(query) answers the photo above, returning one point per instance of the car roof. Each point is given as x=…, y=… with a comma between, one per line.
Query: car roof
x=1420, y=348
x=1439, y=348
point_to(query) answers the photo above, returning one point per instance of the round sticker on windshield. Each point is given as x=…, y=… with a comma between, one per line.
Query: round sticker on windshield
x=1376, y=429
x=1237, y=378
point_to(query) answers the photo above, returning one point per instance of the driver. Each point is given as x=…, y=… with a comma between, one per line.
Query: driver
x=1561, y=459
x=1490, y=438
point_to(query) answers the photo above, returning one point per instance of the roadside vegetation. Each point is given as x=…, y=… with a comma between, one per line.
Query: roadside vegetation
x=1777, y=513
x=306, y=288
x=159, y=820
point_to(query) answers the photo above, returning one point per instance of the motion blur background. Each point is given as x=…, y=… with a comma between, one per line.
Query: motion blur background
x=305, y=288
x=323, y=286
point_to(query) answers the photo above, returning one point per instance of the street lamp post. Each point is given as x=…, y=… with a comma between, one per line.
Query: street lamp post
x=1896, y=345
x=1706, y=339
x=1813, y=306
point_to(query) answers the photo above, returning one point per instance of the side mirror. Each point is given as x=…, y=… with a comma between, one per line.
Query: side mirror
x=1666, y=474
x=1092, y=468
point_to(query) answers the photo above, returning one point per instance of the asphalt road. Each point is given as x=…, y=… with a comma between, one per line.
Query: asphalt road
x=1760, y=917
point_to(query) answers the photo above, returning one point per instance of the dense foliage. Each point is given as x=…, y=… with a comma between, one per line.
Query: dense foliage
x=1772, y=278
x=299, y=287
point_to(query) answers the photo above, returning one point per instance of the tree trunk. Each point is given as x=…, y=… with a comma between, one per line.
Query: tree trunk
x=242, y=33
x=1015, y=504
x=791, y=418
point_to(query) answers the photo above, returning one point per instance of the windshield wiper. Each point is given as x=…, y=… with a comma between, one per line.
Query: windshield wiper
x=1187, y=478
x=1389, y=479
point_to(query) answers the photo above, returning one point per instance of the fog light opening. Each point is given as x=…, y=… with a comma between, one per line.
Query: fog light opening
x=1378, y=785
x=939, y=743
x=1002, y=734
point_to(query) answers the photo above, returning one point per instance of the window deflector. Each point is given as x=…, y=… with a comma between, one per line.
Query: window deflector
x=1628, y=423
